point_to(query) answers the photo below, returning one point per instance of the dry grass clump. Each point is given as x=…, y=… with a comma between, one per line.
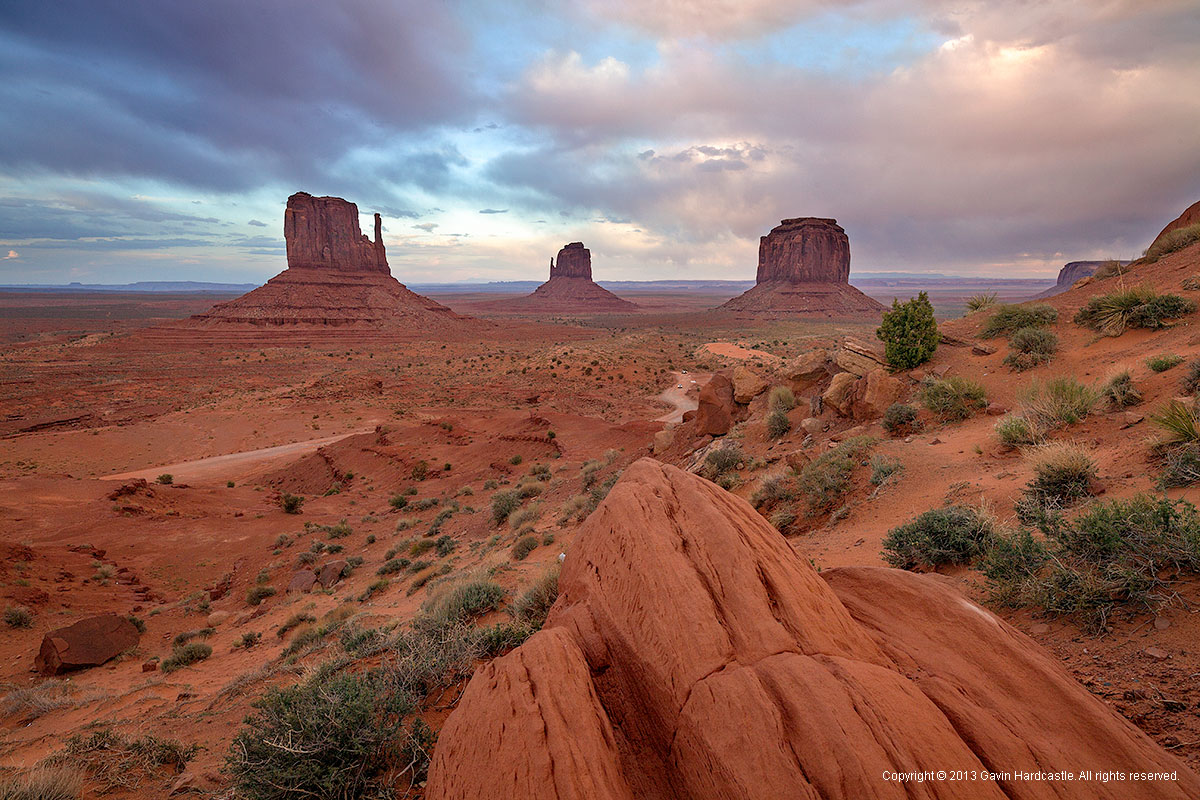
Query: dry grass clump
x=1163, y=362
x=1008, y=319
x=981, y=301
x=1120, y=391
x=122, y=762
x=1134, y=307
x=31, y=702
x=43, y=783
x=953, y=398
x=1014, y=430
x=1058, y=402
x=781, y=397
x=1173, y=241
x=1031, y=347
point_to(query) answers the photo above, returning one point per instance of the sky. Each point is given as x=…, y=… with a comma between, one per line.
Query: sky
x=159, y=139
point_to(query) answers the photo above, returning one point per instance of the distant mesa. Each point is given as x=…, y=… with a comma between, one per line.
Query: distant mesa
x=1072, y=273
x=570, y=288
x=336, y=278
x=804, y=268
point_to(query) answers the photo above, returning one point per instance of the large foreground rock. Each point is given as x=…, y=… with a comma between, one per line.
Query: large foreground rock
x=693, y=654
x=88, y=643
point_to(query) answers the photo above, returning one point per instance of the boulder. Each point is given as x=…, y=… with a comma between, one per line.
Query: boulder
x=812, y=426
x=859, y=357
x=808, y=370
x=797, y=459
x=841, y=393
x=303, y=581
x=217, y=618
x=88, y=643
x=330, y=573
x=878, y=391
x=719, y=664
x=714, y=414
x=746, y=385
x=663, y=441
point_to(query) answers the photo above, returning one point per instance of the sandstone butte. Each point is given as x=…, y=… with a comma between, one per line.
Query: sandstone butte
x=1071, y=273
x=693, y=654
x=804, y=268
x=336, y=278
x=1189, y=217
x=570, y=287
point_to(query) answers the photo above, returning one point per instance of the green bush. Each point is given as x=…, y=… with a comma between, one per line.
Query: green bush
x=1014, y=431
x=1163, y=362
x=524, y=547
x=419, y=471
x=290, y=503
x=781, y=397
x=950, y=535
x=1007, y=319
x=503, y=504
x=1135, y=307
x=18, y=617
x=1178, y=423
x=1031, y=347
x=185, y=655
x=827, y=479
x=1062, y=473
x=166, y=479
x=1120, y=391
x=398, y=501
x=722, y=460
x=909, y=332
x=1173, y=241
x=1058, y=402
x=463, y=602
x=953, y=398
x=532, y=607
x=392, y=566
x=900, y=418
x=259, y=593
x=883, y=468
x=778, y=424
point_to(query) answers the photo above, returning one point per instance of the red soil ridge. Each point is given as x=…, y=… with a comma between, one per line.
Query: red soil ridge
x=693, y=654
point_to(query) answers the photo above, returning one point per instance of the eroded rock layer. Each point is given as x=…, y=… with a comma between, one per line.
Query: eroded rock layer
x=693, y=654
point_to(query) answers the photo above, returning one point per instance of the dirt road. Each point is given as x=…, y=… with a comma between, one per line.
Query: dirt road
x=683, y=399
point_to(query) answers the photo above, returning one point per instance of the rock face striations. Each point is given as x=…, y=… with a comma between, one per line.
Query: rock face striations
x=693, y=654
x=571, y=288
x=337, y=280
x=804, y=267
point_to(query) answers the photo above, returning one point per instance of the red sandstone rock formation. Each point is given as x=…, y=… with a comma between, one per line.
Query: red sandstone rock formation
x=570, y=288
x=336, y=278
x=88, y=643
x=692, y=653
x=804, y=267
x=1189, y=217
x=323, y=233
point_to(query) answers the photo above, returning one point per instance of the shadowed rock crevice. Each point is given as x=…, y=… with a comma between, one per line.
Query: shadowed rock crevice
x=730, y=669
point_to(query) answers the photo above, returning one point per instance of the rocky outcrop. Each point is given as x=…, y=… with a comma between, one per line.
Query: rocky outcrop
x=337, y=280
x=574, y=261
x=693, y=654
x=88, y=643
x=1189, y=217
x=323, y=233
x=1070, y=274
x=747, y=384
x=570, y=288
x=804, y=267
x=859, y=357
x=716, y=409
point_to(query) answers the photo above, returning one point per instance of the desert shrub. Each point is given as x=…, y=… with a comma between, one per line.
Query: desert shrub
x=1135, y=307
x=1014, y=431
x=1120, y=391
x=463, y=602
x=515, y=460
x=900, y=418
x=1191, y=283
x=420, y=547
x=522, y=517
x=259, y=593
x=1058, y=402
x=909, y=332
x=166, y=479
x=781, y=397
x=826, y=479
x=1178, y=424
x=339, y=530
x=185, y=655
x=783, y=518
x=950, y=535
x=115, y=761
x=1031, y=347
x=883, y=468
x=374, y=588
x=43, y=783
x=398, y=501
x=1063, y=472
x=1180, y=466
x=503, y=504
x=18, y=617
x=1111, y=268
x=419, y=471
x=772, y=490
x=1012, y=558
x=1008, y=319
x=1190, y=382
x=953, y=398
x=978, y=302
x=294, y=621
x=1163, y=362
x=524, y=547
x=529, y=489
x=722, y=460
x=532, y=606
x=1173, y=241
x=184, y=637
x=445, y=545
x=290, y=503
x=778, y=424
x=248, y=639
